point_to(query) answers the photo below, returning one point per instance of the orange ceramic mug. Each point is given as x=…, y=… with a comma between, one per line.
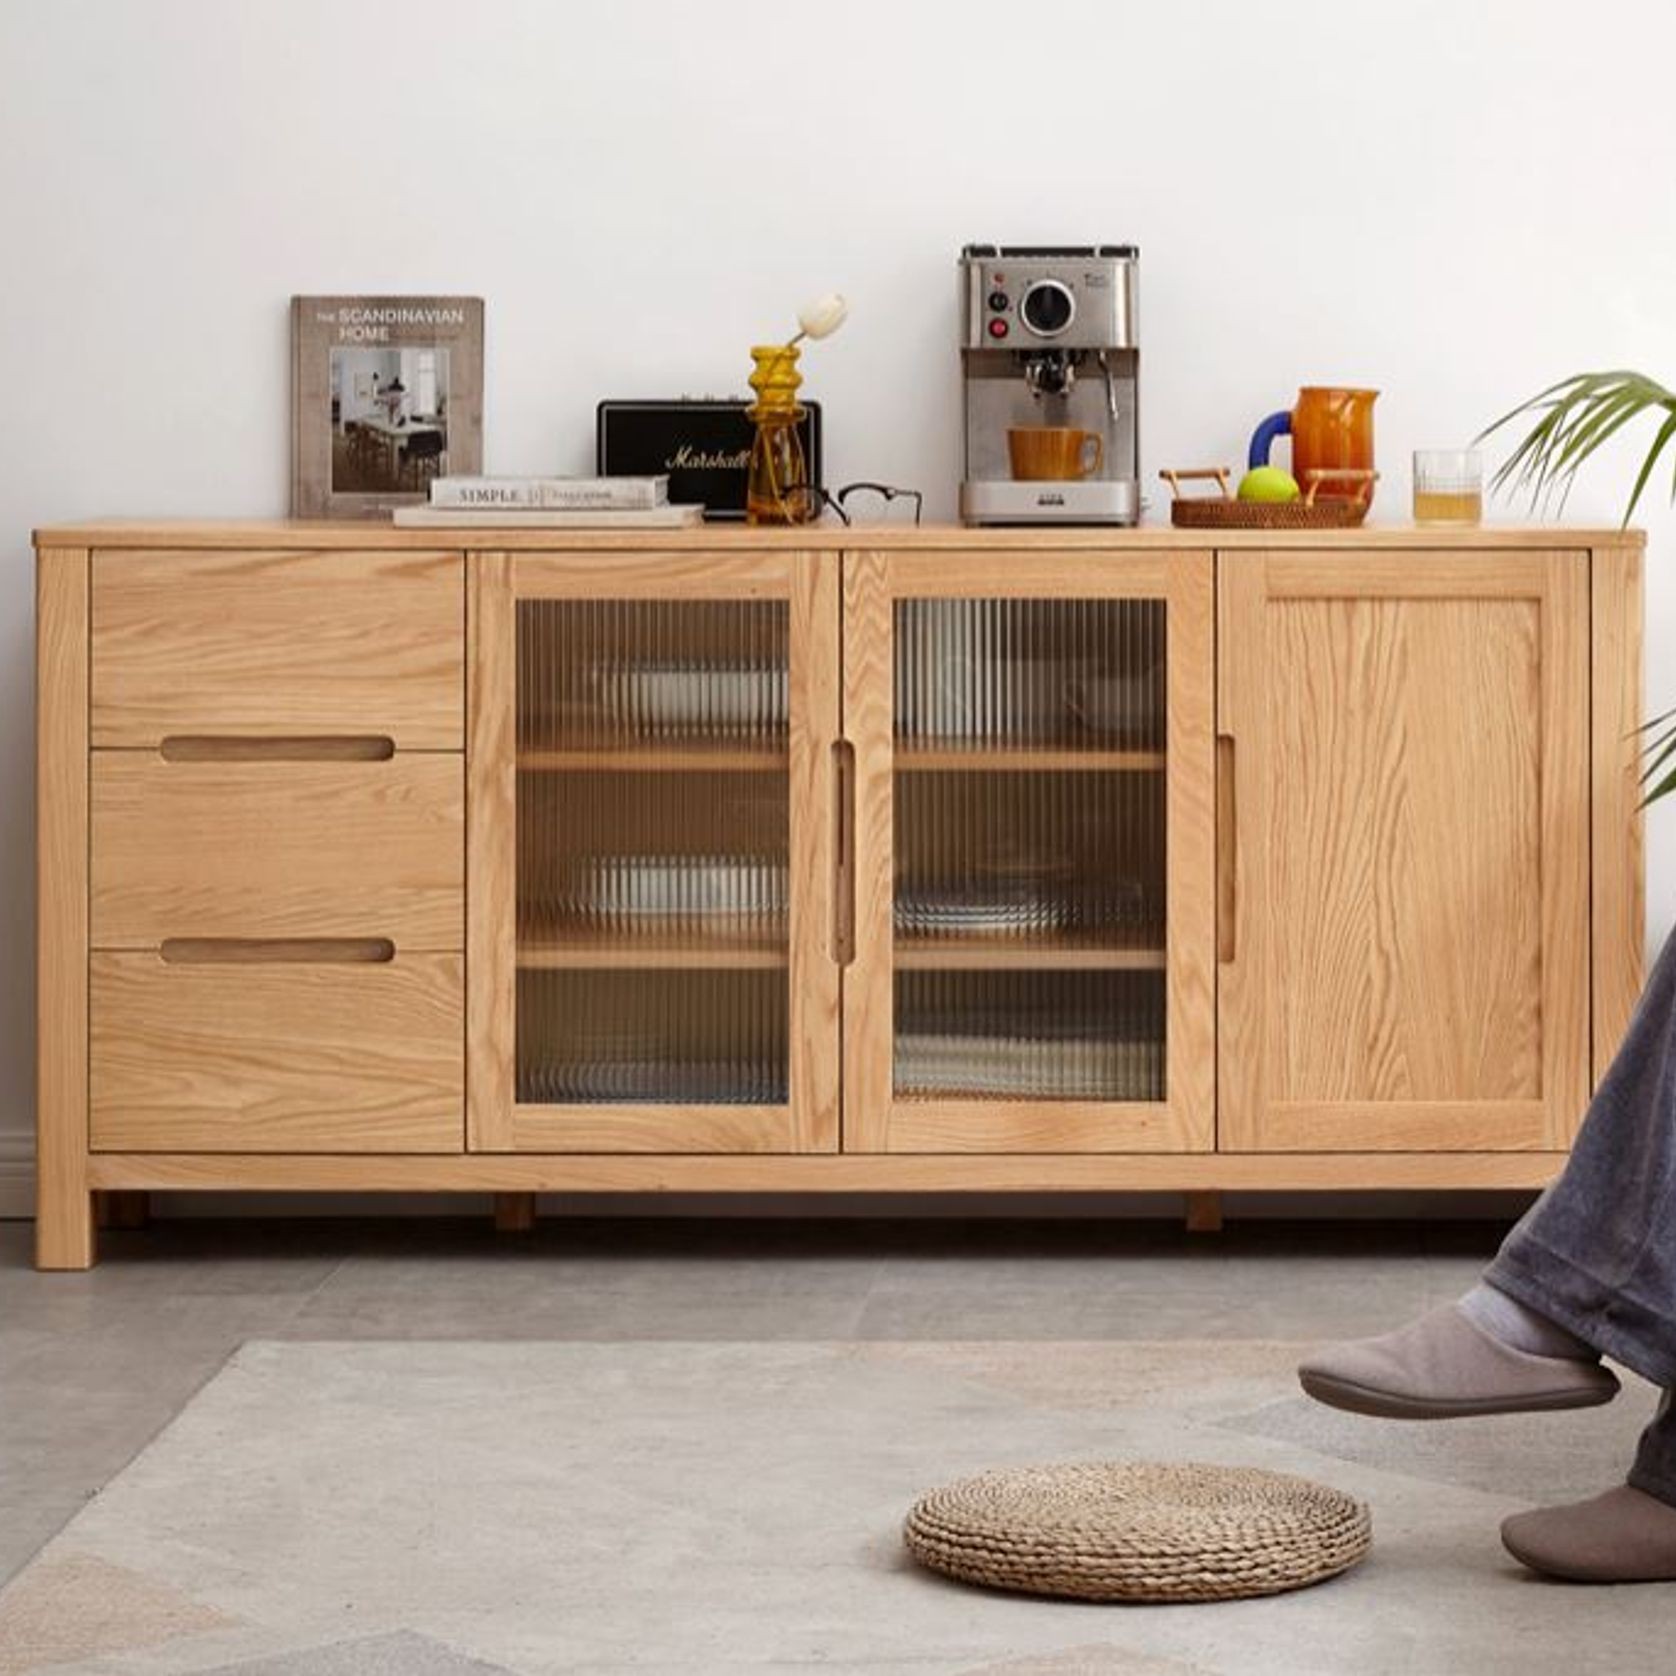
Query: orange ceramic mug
x=1331, y=430
x=1055, y=453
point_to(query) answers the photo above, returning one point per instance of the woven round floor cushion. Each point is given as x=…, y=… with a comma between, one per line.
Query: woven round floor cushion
x=1107, y=1531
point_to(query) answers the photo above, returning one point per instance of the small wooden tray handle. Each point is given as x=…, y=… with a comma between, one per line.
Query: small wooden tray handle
x=1196, y=474
x=1340, y=474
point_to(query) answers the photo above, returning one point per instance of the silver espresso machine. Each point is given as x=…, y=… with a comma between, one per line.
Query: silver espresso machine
x=1048, y=344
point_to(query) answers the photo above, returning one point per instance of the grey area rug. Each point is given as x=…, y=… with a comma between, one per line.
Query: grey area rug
x=427, y=1509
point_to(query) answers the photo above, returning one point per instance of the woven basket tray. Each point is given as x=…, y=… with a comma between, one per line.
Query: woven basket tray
x=1224, y=512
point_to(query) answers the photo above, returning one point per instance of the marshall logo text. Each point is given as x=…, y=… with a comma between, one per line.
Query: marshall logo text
x=688, y=458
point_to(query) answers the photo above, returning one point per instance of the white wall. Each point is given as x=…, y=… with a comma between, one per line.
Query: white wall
x=1455, y=201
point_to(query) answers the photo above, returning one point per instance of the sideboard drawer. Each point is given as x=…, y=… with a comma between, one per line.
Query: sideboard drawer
x=276, y=848
x=271, y=644
x=277, y=1055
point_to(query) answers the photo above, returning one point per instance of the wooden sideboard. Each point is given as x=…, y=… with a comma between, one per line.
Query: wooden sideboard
x=827, y=859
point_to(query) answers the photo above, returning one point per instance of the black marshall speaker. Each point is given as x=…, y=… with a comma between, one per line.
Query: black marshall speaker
x=702, y=442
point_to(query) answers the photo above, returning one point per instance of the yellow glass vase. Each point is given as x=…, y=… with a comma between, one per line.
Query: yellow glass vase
x=777, y=489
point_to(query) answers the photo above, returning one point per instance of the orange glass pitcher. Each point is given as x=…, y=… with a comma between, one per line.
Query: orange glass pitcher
x=1331, y=430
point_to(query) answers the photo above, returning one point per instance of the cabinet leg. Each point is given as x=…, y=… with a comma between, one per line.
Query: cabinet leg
x=1204, y=1213
x=64, y=1237
x=64, y=1231
x=128, y=1208
x=514, y=1213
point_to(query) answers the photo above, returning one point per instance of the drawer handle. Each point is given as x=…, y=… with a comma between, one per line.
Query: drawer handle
x=215, y=747
x=277, y=951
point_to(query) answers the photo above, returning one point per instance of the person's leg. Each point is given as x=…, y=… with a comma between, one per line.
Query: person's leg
x=1596, y=1254
x=1514, y=1323
x=1627, y=1535
x=1591, y=1268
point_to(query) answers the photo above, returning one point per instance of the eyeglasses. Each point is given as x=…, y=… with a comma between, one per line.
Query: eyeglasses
x=866, y=502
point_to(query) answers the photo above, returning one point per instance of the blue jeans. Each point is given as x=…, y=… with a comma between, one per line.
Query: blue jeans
x=1597, y=1252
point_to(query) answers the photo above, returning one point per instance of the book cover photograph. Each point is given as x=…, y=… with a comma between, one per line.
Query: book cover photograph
x=386, y=397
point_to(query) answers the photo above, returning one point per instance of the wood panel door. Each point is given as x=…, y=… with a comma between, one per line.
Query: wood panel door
x=1033, y=919
x=652, y=840
x=1403, y=925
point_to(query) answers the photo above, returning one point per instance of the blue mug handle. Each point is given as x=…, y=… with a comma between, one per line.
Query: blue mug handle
x=1262, y=439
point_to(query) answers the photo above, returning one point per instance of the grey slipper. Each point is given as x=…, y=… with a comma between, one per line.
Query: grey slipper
x=1624, y=1536
x=1445, y=1366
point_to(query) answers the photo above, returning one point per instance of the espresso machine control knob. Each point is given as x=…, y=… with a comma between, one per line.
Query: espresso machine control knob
x=1047, y=307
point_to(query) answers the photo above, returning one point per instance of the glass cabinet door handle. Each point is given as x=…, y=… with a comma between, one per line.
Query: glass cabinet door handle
x=843, y=852
x=1227, y=851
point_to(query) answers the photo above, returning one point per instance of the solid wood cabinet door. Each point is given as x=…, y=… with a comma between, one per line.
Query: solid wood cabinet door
x=1033, y=873
x=1403, y=790
x=651, y=830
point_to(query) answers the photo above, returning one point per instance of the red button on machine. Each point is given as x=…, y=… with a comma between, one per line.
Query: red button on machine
x=998, y=328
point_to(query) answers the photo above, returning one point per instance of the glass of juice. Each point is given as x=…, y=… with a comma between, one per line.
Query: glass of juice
x=1448, y=486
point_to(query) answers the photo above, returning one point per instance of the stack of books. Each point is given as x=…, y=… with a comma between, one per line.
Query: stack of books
x=550, y=503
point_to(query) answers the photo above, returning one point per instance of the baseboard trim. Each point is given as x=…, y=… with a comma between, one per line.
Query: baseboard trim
x=17, y=1175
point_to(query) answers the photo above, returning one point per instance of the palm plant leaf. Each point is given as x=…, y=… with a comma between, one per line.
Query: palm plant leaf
x=1666, y=431
x=1659, y=751
x=1666, y=783
x=1572, y=420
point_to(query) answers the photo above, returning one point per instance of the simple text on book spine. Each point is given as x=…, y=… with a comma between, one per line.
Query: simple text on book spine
x=466, y=494
x=594, y=495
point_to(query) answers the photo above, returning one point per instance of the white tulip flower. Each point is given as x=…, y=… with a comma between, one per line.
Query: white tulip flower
x=822, y=317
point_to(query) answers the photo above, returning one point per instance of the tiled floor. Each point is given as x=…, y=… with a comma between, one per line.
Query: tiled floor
x=92, y=1366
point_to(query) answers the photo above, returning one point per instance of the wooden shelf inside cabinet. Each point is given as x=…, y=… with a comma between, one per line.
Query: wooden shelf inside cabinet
x=990, y=954
x=1041, y=759
x=646, y=953
x=658, y=759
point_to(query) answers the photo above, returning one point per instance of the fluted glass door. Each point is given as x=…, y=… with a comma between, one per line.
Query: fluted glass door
x=662, y=866
x=1018, y=966
x=653, y=851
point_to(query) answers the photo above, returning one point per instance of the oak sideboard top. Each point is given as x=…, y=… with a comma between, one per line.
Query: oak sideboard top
x=295, y=533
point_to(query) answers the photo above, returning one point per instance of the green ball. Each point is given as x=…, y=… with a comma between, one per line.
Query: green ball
x=1268, y=483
